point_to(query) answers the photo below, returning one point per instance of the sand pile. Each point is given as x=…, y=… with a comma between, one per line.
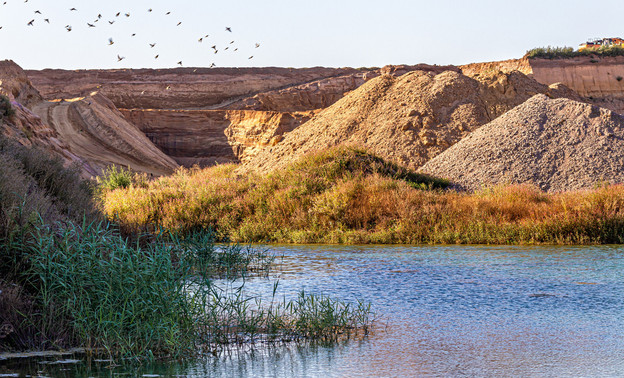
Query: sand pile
x=409, y=119
x=555, y=144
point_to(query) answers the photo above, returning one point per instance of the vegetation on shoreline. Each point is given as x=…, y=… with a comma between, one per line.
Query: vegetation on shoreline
x=551, y=52
x=69, y=279
x=326, y=199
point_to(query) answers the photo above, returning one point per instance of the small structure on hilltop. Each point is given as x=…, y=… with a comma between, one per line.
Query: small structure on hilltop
x=597, y=43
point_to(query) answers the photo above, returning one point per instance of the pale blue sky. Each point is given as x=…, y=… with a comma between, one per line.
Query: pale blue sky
x=292, y=33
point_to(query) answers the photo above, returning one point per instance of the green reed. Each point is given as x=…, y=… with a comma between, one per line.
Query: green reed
x=133, y=300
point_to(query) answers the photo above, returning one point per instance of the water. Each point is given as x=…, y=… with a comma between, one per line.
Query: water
x=443, y=311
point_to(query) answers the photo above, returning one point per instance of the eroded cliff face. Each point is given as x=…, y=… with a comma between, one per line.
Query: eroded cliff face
x=206, y=137
x=179, y=88
x=598, y=80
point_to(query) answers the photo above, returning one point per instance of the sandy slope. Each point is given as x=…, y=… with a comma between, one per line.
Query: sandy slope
x=94, y=130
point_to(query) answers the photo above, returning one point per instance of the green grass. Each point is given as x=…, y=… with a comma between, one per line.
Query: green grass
x=551, y=52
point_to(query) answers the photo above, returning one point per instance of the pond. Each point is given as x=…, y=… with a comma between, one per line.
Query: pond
x=442, y=311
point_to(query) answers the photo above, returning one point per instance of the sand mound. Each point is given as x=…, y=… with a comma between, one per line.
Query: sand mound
x=407, y=120
x=555, y=144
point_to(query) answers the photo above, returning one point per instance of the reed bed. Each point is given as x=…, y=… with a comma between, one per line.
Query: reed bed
x=160, y=299
x=348, y=196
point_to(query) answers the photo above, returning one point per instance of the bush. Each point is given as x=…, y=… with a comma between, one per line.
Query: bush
x=6, y=109
x=569, y=52
x=115, y=177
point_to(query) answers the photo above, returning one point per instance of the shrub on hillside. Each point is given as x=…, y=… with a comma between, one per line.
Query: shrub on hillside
x=6, y=109
x=35, y=189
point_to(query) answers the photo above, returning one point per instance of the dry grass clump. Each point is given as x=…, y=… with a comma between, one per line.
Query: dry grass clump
x=345, y=195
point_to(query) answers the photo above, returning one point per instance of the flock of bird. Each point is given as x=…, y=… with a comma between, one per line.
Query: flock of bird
x=39, y=17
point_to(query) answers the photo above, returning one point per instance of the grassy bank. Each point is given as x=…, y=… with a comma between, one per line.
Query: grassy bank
x=349, y=196
x=569, y=52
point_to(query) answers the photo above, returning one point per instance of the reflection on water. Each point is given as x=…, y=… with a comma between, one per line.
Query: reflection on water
x=450, y=311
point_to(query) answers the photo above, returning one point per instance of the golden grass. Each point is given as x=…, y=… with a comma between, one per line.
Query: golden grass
x=349, y=196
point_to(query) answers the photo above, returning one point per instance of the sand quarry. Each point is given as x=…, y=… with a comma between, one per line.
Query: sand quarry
x=485, y=125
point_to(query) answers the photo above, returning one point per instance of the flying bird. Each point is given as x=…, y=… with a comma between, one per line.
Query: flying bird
x=250, y=57
x=180, y=63
x=133, y=34
x=212, y=65
x=99, y=16
x=30, y=23
x=214, y=47
x=68, y=27
x=226, y=48
x=168, y=87
x=152, y=45
x=120, y=58
x=46, y=20
x=73, y=9
x=167, y=13
x=257, y=45
x=127, y=14
x=236, y=49
x=200, y=40
x=111, y=22
x=110, y=41
x=149, y=10
x=179, y=23
x=37, y=12
x=227, y=28
x=118, y=13
x=156, y=57
x=90, y=25
x=231, y=42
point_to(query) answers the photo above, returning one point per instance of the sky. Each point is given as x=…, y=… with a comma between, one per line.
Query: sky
x=294, y=33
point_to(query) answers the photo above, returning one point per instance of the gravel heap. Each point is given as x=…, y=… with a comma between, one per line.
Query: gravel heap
x=555, y=144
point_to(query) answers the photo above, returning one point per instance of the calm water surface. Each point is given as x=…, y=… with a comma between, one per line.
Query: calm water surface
x=444, y=311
